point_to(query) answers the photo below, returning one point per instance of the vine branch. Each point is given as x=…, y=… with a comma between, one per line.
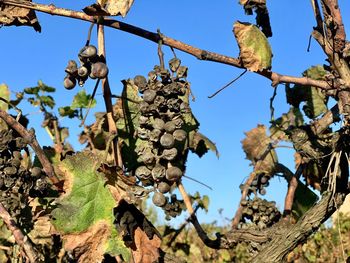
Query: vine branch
x=201, y=54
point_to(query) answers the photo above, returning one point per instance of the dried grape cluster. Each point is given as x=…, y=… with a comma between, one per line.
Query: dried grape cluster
x=162, y=153
x=17, y=183
x=91, y=65
x=259, y=184
x=260, y=212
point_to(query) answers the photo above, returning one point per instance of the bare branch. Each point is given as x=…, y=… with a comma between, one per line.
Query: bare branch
x=32, y=141
x=22, y=240
x=173, y=43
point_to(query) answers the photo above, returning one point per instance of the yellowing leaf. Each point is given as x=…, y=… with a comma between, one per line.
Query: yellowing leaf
x=255, y=51
x=5, y=94
x=85, y=211
x=116, y=7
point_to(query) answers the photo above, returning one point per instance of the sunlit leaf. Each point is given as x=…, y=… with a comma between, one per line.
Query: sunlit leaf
x=67, y=111
x=47, y=101
x=255, y=51
x=81, y=100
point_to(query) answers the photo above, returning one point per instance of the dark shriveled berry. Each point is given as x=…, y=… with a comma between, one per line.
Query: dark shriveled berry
x=173, y=173
x=140, y=82
x=149, y=95
x=169, y=126
x=88, y=52
x=158, y=172
x=142, y=172
x=163, y=187
x=99, y=70
x=180, y=135
x=69, y=82
x=159, y=199
x=167, y=140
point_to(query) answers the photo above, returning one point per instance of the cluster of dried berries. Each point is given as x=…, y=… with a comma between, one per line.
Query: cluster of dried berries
x=17, y=182
x=260, y=212
x=259, y=184
x=161, y=127
x=91, y=65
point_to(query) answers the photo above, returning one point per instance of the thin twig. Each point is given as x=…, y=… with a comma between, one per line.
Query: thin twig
x=199, y=182
x=201, y=54
x=32, y=141
x=23, y=241
x=186, y=198
x=227, y=85
x=89, y=34
x=272, y=109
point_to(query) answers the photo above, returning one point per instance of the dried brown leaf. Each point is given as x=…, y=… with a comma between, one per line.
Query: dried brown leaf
x=18, y=16
x=88, y=246
x=257, y=146
x=116, y=7
x=147, y=250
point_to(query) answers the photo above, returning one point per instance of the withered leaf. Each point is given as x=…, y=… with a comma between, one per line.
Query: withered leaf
x=255, y=50
x=262, y=14
x=257, y=146
x=116, y=7
x=18, y=16
x=138, y=233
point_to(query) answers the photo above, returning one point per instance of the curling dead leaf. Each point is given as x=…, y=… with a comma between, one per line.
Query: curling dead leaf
x=138, y=233
x=148, y=249
x=255, y=51
x=262, y=14
x=18, y=16
x=257, y=146
x=200, y=144
x=116, y=7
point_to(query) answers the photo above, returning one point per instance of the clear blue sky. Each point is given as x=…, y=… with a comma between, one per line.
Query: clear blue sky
x=27, y=56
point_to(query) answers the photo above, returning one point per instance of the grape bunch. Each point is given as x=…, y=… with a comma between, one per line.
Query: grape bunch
x=91, y=65
x=17, y=182
x=259, y=184
x=162, y=153
x=260, y=212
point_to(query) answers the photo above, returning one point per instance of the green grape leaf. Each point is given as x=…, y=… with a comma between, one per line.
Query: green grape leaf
x=255, y=51
x=279, y=126
x=85, y=211
x=67, y=111
x=33, y=90
x=315, y=99
x=43, y=87
x=81, y=100
x=304, y=199
x=47, y=101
